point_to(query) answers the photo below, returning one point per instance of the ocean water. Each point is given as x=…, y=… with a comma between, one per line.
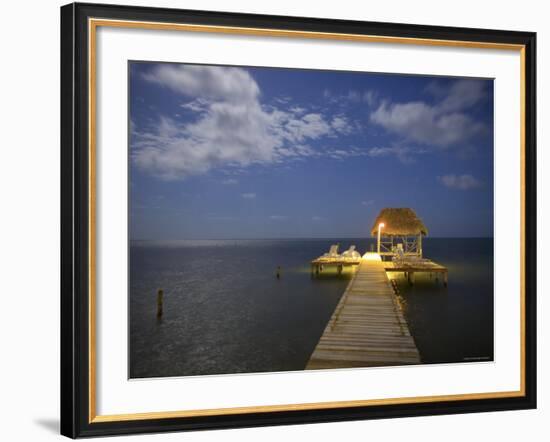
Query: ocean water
x=226, y=312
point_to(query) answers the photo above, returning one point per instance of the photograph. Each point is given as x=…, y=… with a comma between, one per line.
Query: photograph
x=275, y=221
x=284, y=219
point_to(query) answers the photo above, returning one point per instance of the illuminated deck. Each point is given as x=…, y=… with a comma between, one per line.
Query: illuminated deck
x=409, y=269
x=367, y=328
x=317, y=265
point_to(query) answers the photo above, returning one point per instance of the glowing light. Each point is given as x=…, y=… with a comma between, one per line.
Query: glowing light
x=379, y=229
x=371, y=256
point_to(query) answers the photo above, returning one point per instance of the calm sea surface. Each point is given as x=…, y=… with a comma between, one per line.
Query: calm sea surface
x=226, y=312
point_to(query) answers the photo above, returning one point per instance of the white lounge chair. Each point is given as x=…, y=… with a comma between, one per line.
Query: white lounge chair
x=332, y=253
x=401, y=259
x=399, y=256
x=351, y=253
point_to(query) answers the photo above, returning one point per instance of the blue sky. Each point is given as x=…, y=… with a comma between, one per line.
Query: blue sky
x=240, y=152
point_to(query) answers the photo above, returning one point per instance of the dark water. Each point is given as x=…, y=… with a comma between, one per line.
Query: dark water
x=226, y=312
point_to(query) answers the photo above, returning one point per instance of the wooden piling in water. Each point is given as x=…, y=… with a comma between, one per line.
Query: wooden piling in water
x=160, y=301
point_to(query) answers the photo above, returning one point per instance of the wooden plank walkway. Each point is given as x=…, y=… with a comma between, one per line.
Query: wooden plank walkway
x=367, y=328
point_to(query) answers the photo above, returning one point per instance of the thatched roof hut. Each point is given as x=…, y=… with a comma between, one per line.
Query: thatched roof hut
x=399, y=222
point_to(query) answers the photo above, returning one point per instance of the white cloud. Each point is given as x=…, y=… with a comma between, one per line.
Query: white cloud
x=310, y=126
x=354, y=96
x=441, y=125
x=232, y=128
x=370, y=97
x=464, y=94
x=351, y=96
x=230, y=181
x=436, y=89
x=341, y=125
x=248, y=196
x=132, y=127
x=283, y=100
x=297, y=110
x=278, y=217
x=461, y=182
x=403, y=154
x=367, y=203
x=425, y=124
x=197, y=105
x=316, y=218
x=341, y=154
x=206, y=82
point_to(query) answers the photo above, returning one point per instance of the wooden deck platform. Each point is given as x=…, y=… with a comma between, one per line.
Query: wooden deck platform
x=367, y=328
x=318, y=264
x=409, y=267
x=424, y=266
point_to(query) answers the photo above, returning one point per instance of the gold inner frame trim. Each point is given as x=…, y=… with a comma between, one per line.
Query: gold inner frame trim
x=93, y=24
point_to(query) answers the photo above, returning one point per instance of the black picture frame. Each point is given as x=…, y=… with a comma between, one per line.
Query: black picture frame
x=75, y=220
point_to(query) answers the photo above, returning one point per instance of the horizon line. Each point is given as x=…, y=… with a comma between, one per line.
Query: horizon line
x=300, y=237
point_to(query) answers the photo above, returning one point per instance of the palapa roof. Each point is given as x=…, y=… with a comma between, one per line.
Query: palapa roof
x=399, y=222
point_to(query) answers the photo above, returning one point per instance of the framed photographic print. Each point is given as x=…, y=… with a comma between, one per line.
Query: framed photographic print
x=274, y=220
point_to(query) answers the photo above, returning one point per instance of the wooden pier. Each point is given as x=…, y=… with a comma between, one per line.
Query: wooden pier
x=367, y=328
